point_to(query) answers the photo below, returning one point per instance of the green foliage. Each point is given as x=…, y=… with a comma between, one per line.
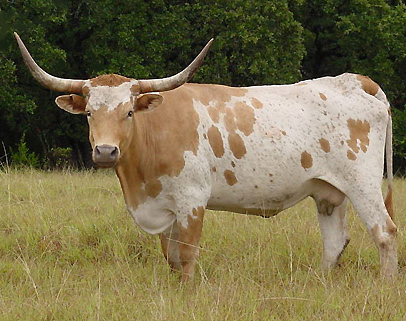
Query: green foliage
x=158, y=40
x=60, y=157
x=22, y=157
x=256, y=42
x=363, y=36
x=15, y=106
x=248, y=37
x=399, y=137
x=20, y=95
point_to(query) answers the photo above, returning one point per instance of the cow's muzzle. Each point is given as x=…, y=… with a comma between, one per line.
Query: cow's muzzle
x=105, y=155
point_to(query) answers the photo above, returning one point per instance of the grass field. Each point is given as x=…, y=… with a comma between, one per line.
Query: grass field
x=70, y=251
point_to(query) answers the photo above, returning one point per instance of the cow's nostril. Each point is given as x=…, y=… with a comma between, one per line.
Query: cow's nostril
x=114, y=152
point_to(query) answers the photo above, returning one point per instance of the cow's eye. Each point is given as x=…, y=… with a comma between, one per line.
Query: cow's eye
x=130, y=113
x=88, y=113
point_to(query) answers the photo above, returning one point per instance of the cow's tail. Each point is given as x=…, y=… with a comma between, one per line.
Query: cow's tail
x=372, y=88
x=389, y=169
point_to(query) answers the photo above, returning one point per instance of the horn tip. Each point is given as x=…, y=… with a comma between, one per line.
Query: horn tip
x=19, y=41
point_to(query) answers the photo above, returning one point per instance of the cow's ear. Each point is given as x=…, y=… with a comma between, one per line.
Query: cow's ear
x=148, y=102
x=73, y=104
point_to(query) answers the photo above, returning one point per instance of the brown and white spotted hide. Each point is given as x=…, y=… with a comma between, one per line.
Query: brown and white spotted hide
x=254, y=150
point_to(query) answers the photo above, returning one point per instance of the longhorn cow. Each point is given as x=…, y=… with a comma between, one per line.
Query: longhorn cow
x=179, y=149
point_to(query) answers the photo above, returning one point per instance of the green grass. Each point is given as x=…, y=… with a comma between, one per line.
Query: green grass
x=70, y=251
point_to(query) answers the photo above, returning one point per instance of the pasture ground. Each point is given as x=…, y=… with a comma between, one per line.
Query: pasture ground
x=70, y=251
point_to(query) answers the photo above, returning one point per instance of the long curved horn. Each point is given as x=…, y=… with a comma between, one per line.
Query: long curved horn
x=177, y=80
x=45, y=79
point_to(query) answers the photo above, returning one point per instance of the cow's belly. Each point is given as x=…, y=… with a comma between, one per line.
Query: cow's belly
x=276, y=201
x=266, y=201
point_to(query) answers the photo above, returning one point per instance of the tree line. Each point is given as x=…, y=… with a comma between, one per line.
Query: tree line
x=256, y=43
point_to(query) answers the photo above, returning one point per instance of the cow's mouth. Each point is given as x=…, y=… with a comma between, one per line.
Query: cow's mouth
x=105, y=164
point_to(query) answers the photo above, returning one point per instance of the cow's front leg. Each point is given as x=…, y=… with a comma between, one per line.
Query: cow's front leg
x=372, y=210
x=190, y=231
x=170, y=248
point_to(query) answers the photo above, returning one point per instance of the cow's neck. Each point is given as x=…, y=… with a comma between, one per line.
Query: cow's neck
x=158, y=145
x=138, y=166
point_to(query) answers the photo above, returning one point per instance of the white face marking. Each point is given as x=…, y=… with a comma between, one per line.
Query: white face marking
x=110, y=97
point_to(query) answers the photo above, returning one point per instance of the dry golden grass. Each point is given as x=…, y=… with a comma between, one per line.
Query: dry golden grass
x=70, y=251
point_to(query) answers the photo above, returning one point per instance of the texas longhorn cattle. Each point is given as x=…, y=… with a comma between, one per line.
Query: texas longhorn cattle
x=179, y=149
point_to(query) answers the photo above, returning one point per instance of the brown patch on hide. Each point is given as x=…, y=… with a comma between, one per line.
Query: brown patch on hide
x=208, y=93
x=235, y=141
x=177, y=121
x=230, y=177
x=351, y=155
x=135, y=89
x=85, y=90
x=325, y=145
x=237, y=145
x=214, y=114
x=217, y=96
x=244, y=117
x=256, y=103
x=153, y=188
x=216, y=142
x=368, y=85
x=229, y=121
x=306, y=160
x=111, y=80
x=359, y=131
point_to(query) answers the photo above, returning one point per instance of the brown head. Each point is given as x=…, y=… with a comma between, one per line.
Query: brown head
x=110, y=102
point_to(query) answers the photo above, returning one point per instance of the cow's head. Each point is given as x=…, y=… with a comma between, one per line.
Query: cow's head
x=110, y=103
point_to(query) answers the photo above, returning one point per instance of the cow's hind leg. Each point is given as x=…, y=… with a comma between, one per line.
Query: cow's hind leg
x=331, y=207
x=371, y=209
x=333, y=225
